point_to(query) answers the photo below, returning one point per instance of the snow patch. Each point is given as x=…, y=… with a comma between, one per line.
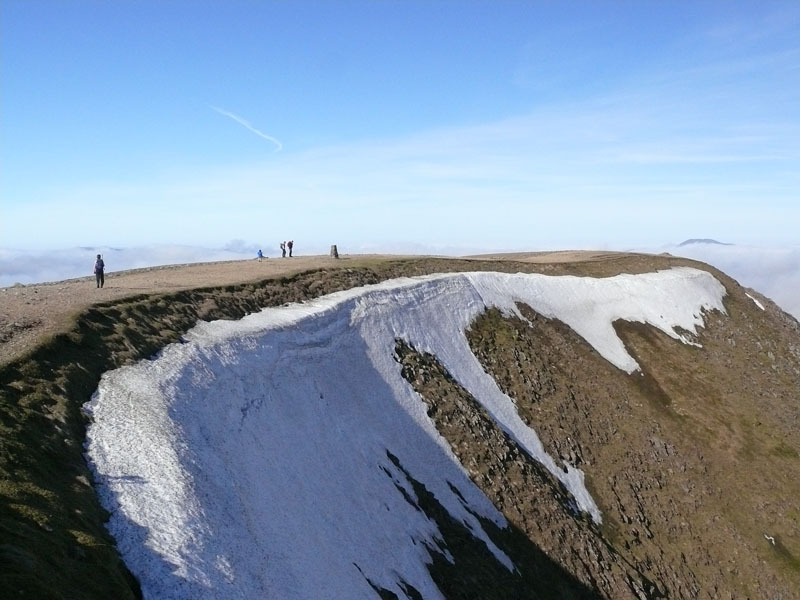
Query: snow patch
x=758, y=304
x=250, y=461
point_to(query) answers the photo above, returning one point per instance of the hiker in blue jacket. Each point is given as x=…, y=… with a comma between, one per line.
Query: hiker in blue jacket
x=99, y=271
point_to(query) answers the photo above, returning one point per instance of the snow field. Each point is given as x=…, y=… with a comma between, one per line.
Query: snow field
x=250, y=461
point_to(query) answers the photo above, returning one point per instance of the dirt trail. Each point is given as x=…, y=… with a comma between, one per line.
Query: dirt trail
x=31, y=313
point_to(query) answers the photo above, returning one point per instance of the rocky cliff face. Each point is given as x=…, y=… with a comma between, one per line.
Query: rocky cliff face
x=694, y=461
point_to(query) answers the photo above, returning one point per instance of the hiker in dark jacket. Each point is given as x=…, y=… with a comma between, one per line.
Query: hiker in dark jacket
x=290, y=245
x=99, y=269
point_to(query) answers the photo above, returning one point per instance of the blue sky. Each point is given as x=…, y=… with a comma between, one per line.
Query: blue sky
x=497, y=125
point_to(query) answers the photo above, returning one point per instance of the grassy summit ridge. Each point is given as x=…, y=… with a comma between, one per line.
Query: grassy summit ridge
x=54, y=544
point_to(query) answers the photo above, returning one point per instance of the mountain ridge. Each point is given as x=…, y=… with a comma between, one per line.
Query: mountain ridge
x=650, y=389
x=709, y=241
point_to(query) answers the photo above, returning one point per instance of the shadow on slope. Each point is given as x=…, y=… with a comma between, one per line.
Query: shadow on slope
x=474, y=572
x=541, y=512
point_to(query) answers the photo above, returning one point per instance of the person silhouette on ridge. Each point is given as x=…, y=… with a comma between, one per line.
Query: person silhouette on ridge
x=99, y=271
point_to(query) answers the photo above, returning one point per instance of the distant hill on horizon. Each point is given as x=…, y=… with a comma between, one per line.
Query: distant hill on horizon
x=703, y=241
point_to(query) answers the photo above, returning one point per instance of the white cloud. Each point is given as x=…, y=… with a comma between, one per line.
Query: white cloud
x=21, y=266
x=624, y=169
x=249, y=126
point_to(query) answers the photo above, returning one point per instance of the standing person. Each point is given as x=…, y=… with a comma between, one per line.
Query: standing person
x=260, y=255
x=283, y=249
x=290, y=243
x=99, y=271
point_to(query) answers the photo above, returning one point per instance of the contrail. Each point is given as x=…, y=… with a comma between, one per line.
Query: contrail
x=241, y=121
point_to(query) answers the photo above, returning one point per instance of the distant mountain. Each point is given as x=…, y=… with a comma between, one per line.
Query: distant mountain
x=703, y=241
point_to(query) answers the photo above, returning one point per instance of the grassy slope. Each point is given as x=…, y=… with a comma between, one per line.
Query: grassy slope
x=52, y=540
x=694, y=460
